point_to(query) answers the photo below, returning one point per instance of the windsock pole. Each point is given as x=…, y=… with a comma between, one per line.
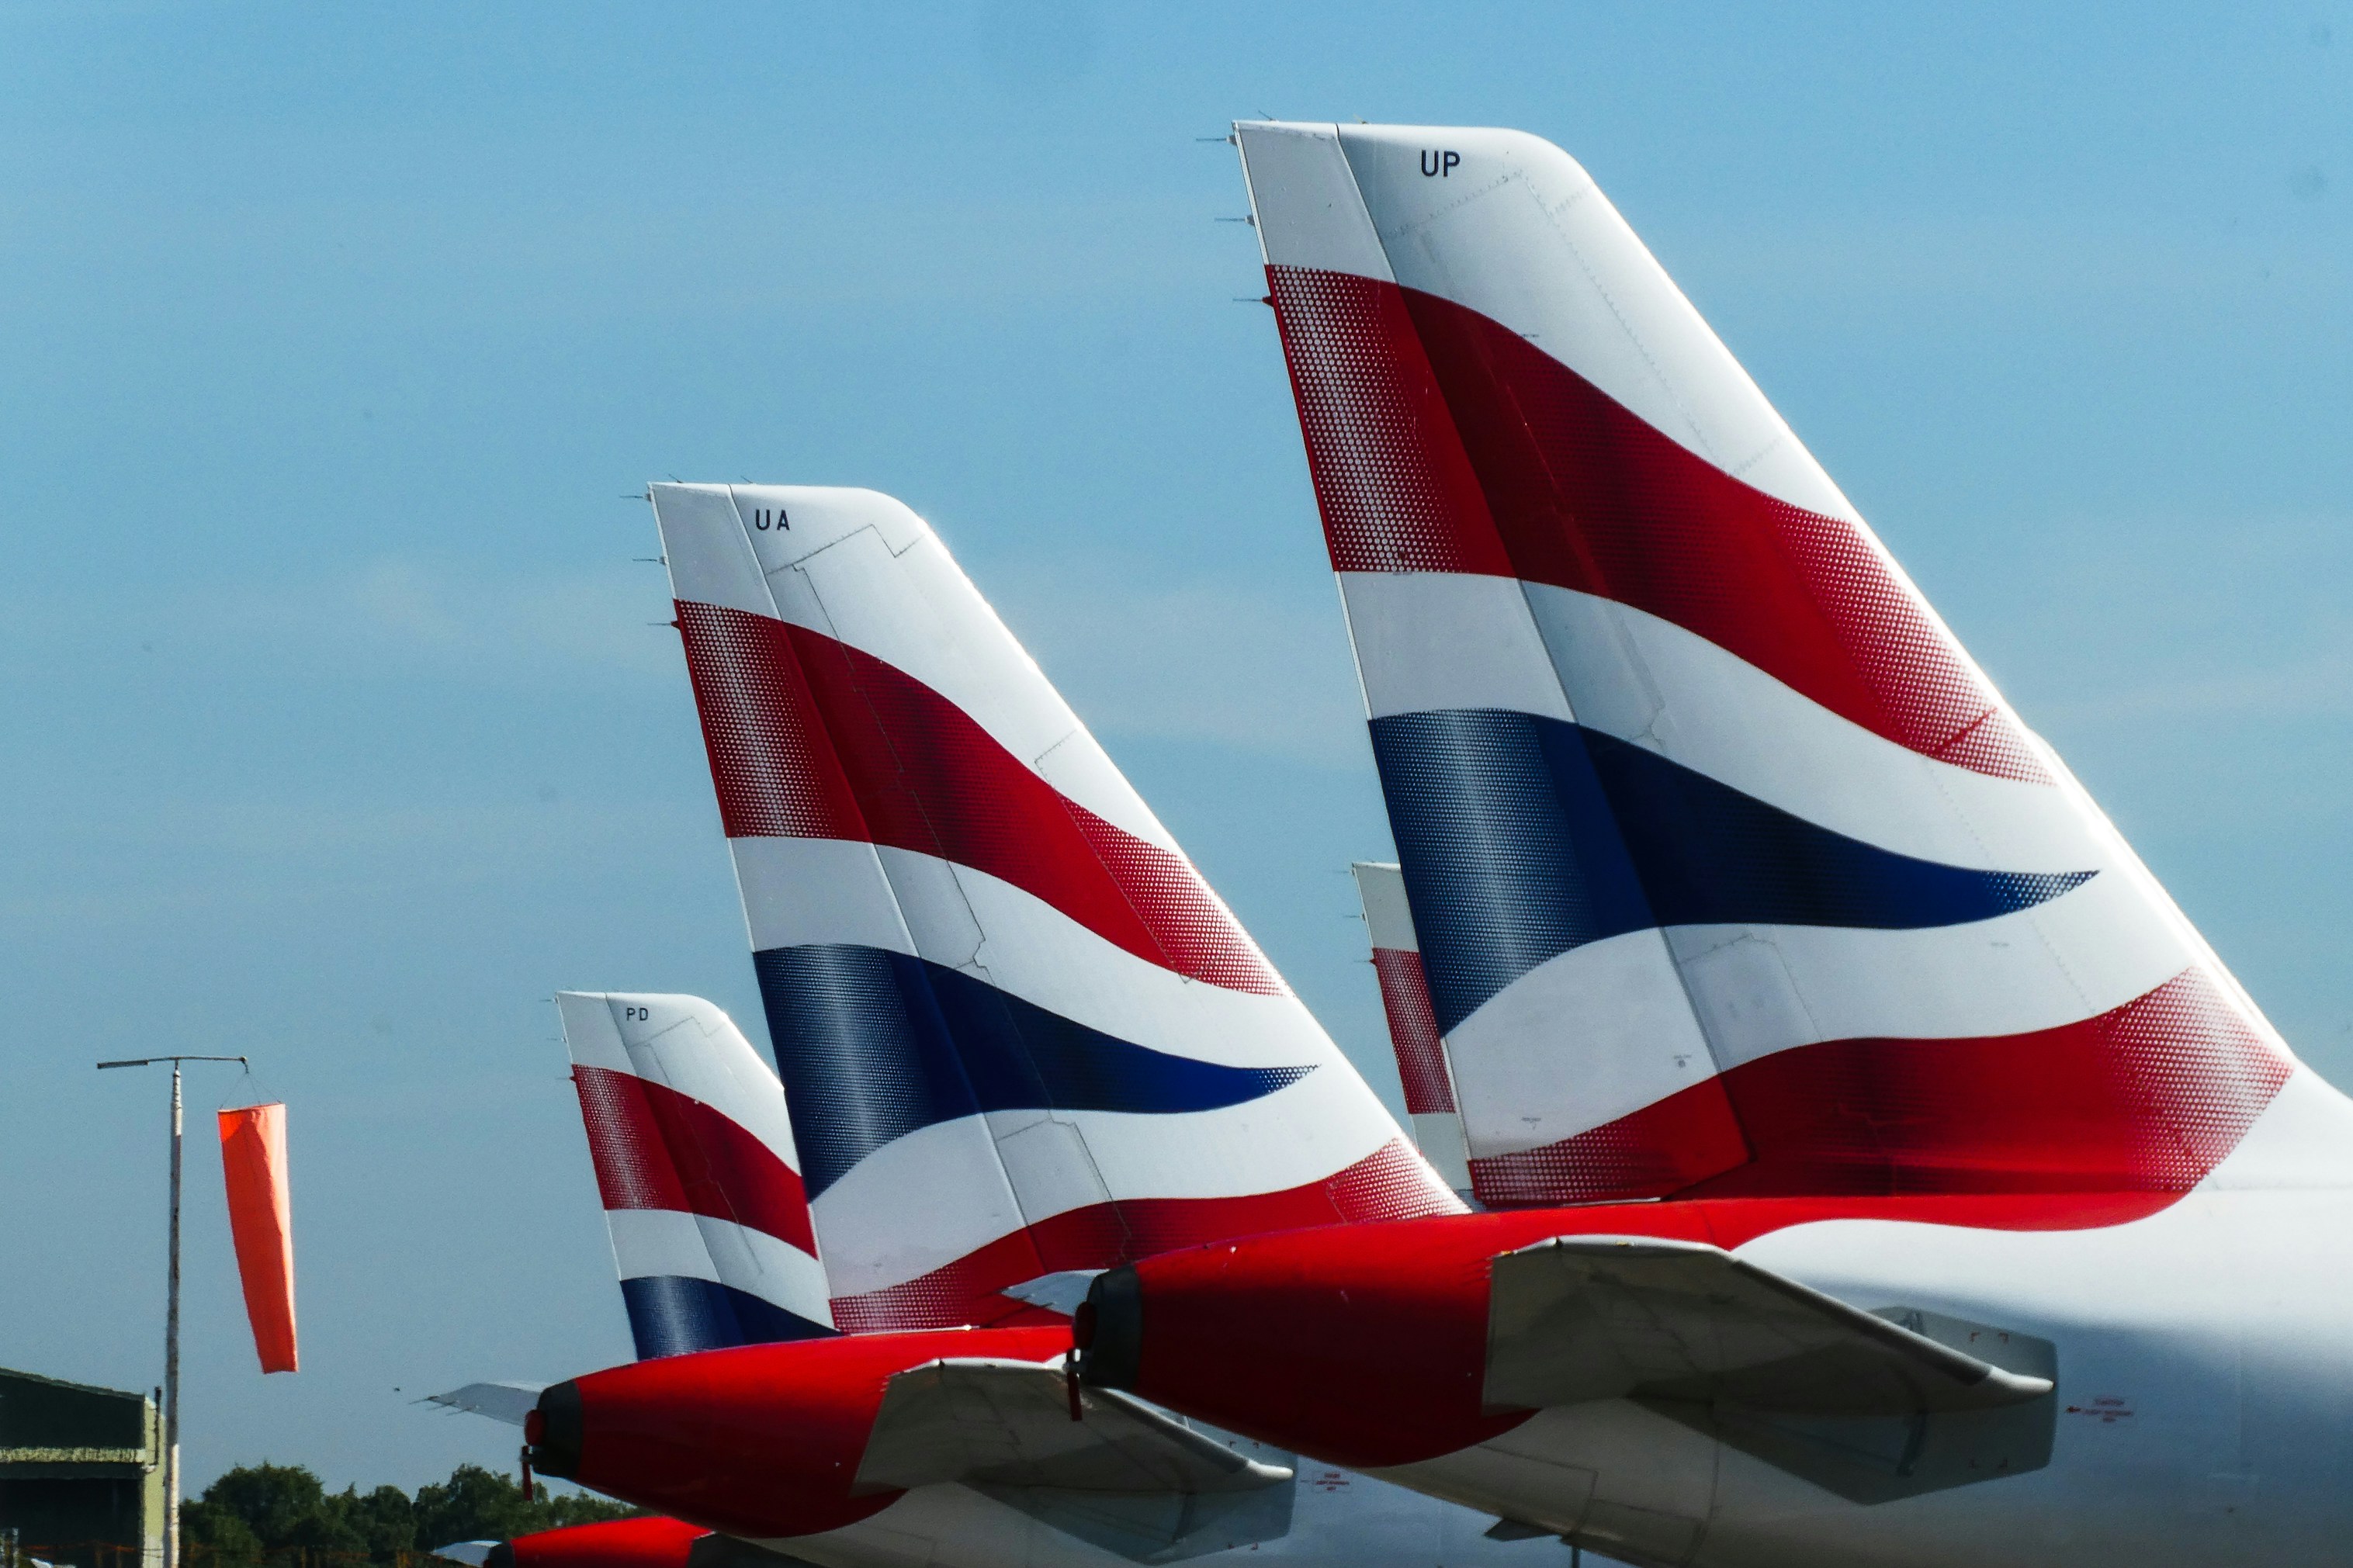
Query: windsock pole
x=171, y=1316
x=172, y=1355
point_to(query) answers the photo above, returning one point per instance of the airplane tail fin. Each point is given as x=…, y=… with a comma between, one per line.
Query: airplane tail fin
x=1731, y=871
x=1020, y=1034
x=1413, y=1027
x=696, y=1164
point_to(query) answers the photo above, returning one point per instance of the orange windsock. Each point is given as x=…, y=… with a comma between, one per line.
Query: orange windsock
x=262, y=1220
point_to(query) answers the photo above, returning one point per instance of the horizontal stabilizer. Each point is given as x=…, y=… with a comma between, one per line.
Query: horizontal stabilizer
x=1058, y=1292
x=1003, y=1423
x=507, y=1402
x=1585, y=1317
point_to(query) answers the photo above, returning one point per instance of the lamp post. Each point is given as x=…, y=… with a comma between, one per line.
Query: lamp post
x=172, y=1315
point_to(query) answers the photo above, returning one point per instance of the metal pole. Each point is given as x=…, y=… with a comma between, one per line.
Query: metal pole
x=171, y=1313
x=172, y=1355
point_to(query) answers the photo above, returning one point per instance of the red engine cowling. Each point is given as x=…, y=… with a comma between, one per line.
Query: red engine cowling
x=648, y=1543
x=1363, y=1345
x=761, y=1441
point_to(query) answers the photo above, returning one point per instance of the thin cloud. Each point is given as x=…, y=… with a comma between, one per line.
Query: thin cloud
x=1228, y=662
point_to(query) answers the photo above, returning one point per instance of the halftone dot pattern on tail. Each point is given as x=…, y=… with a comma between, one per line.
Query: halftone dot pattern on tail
x=1194, y=929
x=633, y=1165
x=1413, y=1032
x=1392, y=1183
x=1665, y=1147
x=1396, y=491
x=774, y=769
x=657, y=1149
x=1945, y=709
x=2195, y=1074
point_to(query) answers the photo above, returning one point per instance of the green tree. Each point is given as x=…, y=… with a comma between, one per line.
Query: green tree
x=384, y=1520
x=473, y=1504
x=579, y=1508
x=279, y=1504
x=228, y=1538
x=476, y=1504
x=280, y=1516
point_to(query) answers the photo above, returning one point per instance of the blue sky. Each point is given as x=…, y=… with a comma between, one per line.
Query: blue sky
x=338, y=734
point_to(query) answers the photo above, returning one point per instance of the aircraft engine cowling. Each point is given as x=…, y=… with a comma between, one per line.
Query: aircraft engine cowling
x=1643, y=1338
x=1363, y=1345
x=651, y=1542
x=763, y=1441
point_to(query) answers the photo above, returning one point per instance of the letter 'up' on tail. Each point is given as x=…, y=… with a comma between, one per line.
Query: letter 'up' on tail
x=1732, y=872
x=694, y=1157
x=1413, y=1027
x=1019, y=1034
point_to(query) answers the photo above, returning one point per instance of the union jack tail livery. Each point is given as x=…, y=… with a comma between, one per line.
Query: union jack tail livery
x=1020, y=1034
x=695, y=1162
x=1413, y=1027
x=1732, y=873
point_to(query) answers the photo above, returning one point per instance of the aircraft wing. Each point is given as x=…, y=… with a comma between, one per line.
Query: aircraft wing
x=1006, y=1424
x=1584, y=1318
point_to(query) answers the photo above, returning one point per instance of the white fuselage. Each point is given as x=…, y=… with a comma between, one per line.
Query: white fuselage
x=2203, y=1408
x=1336, y=1518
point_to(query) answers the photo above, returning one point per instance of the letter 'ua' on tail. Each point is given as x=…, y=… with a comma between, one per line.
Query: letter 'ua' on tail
x=1413, y=1027
x=1732, y=872
x=695, y=1162
x=1020, y=1035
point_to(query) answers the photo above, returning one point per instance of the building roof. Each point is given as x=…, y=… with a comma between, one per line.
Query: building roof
x=50, y=1427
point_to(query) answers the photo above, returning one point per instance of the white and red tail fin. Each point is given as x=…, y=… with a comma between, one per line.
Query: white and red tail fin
x=1732, y=872
x=694, y=1158
x=1413, y=1025
x=1020, y=1034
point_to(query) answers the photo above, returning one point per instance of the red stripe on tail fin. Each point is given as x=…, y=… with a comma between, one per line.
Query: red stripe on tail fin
x=657, y=1149
x=1413, y=1032
x=1442, y=441
x=1391, y=480
x=2148, y=1097
x=812, y=738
